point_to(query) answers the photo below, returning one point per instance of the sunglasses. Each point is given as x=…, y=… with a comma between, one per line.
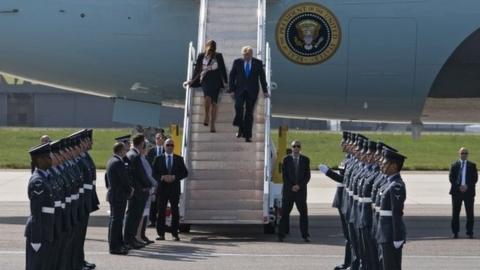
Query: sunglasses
x=464, y=153
x=169, y=145
x=296, y=146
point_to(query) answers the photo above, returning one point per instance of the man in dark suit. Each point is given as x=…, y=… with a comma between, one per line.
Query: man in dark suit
x=245, y=76
x=463, y=178
x=296, y=174
x=141, y=186
x=119, y=191
x=168, y=169
x=158, y=149
x=154, y=152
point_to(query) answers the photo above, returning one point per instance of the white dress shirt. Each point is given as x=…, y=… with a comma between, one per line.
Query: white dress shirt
x=464, y=172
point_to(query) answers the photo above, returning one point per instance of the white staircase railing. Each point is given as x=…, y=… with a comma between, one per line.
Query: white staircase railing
x=263, y=53
x=187, y=118
x=268, y=147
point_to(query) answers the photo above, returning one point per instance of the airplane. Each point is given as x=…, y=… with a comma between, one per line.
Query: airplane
x=381, y=60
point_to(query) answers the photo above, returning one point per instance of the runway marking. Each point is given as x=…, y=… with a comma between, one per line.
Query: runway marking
x=204, y=254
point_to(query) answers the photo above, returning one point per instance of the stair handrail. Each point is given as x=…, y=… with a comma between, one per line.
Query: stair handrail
x=188, y=103
x=202, y=25
x=261, y=29
x=263, y=53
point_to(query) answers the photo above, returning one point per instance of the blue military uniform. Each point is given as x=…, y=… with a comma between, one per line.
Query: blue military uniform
x=39, y=231
x=391, y=231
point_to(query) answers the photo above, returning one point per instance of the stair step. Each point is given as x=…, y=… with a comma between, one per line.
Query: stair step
x=199, y=205
x=226, y=156
x=225, y=118
x=220, y=6
x=214, y=165
x=226, y=215
x=222, y=128
x=221, y=174
x=224, y=184
x=238, y=145
x=222, y=137
x=227, y=195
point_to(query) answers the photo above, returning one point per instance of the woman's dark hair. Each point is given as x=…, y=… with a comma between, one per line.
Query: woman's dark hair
x=210, y=47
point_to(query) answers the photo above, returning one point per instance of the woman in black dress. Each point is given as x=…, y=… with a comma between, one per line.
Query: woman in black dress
x=210, y=73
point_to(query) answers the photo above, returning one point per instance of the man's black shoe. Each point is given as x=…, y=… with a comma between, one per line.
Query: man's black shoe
x=176, y=238
x=152, y=225
x=340, y=267
x=280, y=238
x=470, y=236
x=135, y=245
x=89, y=265
x=306, y=239
x=160, y=238
x=119, y=251
x=248, y=139
x=147, y=241
x=455, y=236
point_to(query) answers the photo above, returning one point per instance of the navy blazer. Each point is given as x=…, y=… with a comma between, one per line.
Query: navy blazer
x=140, y=180
x=214, y=78
x=239, y=82
x=288, y=173
x=470, y=179
x=117, y=176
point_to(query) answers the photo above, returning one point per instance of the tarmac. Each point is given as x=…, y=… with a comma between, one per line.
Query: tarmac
x=427, y=216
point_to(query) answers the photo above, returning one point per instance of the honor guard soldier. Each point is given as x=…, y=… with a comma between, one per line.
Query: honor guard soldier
x=58, y=189
x=337, y=201
x=350, y=214
x=39, y=231
x=391, y=232
x=365, y=208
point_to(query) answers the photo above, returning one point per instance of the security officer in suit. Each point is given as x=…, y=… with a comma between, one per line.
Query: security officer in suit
x=463, y=178
x=141, y=186
x=391, y=231
x=168, y=169
x=118, y=193
x=246, y=74
x=337, y=201
x=296, y=175
x=40, y=231
x=154, y=152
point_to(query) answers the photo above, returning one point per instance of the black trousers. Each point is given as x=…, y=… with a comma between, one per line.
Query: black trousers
x=135, y=209
x=41, y=259
x=392, y=257
x=469, y=201
x=300, y=200
x=352, y=232
x=115, y=226
x=244, y=107
x=153, y=213
x=348, y=248
x=369, y=247
x=80, y=255
x=173, y=196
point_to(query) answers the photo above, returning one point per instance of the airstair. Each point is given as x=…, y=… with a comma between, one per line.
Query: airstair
x=229, y=179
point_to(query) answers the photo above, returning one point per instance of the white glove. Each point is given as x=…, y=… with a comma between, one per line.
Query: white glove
x=323, y=168
x=36, y=246
x=398, y=244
